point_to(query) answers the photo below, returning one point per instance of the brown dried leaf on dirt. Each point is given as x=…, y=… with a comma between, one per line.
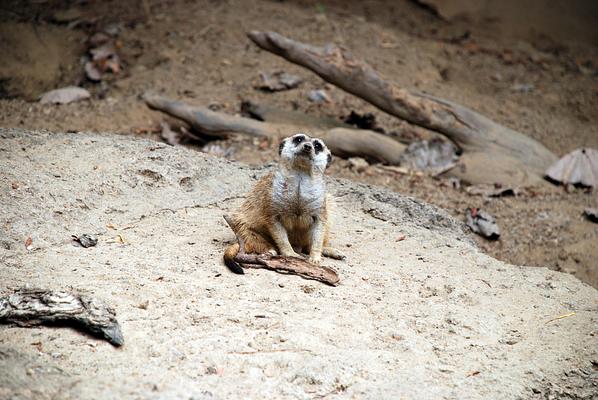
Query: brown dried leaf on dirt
x=64, y=95
x=28, y=243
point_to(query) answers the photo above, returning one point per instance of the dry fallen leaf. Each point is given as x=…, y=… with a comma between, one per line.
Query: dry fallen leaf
x=28, y=243
x=65, y=95
x=578, y=167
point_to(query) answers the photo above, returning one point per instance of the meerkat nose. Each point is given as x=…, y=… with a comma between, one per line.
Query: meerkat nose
x=307, y=147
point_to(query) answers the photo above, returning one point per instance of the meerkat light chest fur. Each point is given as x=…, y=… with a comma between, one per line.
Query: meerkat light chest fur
x=288, y=210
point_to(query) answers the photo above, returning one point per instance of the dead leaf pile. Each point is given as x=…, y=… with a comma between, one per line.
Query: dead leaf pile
x=103, y=56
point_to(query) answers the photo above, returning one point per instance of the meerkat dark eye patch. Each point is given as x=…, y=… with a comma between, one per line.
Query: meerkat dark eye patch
x=298, y=139
x=281, y=146
x=318, y=146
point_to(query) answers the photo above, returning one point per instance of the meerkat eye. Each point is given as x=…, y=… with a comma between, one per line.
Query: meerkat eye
x=318, y=147
x=298, y=139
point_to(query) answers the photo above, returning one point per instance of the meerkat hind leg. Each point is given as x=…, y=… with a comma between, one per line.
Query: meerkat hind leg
x=255, y=243
x=331, y=252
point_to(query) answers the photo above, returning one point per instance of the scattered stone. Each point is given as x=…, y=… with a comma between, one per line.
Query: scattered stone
x=482, y=223
x=523, y=88
x=92, y=72
x=64, y=95
x=86, y=240
x=492, y=190
x=66, y=16
x=319, y=96
x=358, y=164
x=218, y=150
x=278, y=81
x=591, y=214
x=433, y=156
x=361, y=121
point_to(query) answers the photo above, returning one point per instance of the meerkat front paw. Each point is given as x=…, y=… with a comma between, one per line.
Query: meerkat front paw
x=290, y=253
x=314, y=259
x=331, y=252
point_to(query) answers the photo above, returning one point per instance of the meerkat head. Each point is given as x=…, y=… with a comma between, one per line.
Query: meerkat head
x=303, y=152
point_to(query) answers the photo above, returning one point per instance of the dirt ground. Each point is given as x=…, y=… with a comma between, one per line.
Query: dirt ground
x=426, y=317
x=541, y=81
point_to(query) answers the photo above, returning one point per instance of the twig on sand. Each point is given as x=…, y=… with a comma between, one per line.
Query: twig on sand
x=560, y=317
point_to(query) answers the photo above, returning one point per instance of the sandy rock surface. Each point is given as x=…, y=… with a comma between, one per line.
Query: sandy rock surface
x=429, y=316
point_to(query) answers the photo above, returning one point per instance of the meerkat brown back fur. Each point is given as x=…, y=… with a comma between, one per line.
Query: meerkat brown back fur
x=288, y=210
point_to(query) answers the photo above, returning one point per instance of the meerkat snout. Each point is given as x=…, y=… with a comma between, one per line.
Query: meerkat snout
x=307, y=148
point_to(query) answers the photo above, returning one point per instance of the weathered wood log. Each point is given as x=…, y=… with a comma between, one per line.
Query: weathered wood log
x=209, y=122
x=343, y=142
x=33, y=307
x=290, y=265
x=266, y=113
x=491, y=152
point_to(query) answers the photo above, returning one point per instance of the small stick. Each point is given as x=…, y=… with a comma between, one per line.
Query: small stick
x=271, y=351
x=290, y=265
x=560, y=317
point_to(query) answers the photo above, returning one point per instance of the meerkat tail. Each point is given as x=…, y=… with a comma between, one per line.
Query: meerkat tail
x=229, y=259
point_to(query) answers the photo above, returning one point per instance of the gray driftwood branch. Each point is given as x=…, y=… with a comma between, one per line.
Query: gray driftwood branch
x=33, y=307
x=343, y=142
x=491, y=152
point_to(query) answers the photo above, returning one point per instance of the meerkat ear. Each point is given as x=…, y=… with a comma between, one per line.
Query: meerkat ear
x=281, y=146
x=329, y=160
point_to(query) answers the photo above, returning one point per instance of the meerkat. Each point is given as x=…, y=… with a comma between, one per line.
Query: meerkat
x=288, y=210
